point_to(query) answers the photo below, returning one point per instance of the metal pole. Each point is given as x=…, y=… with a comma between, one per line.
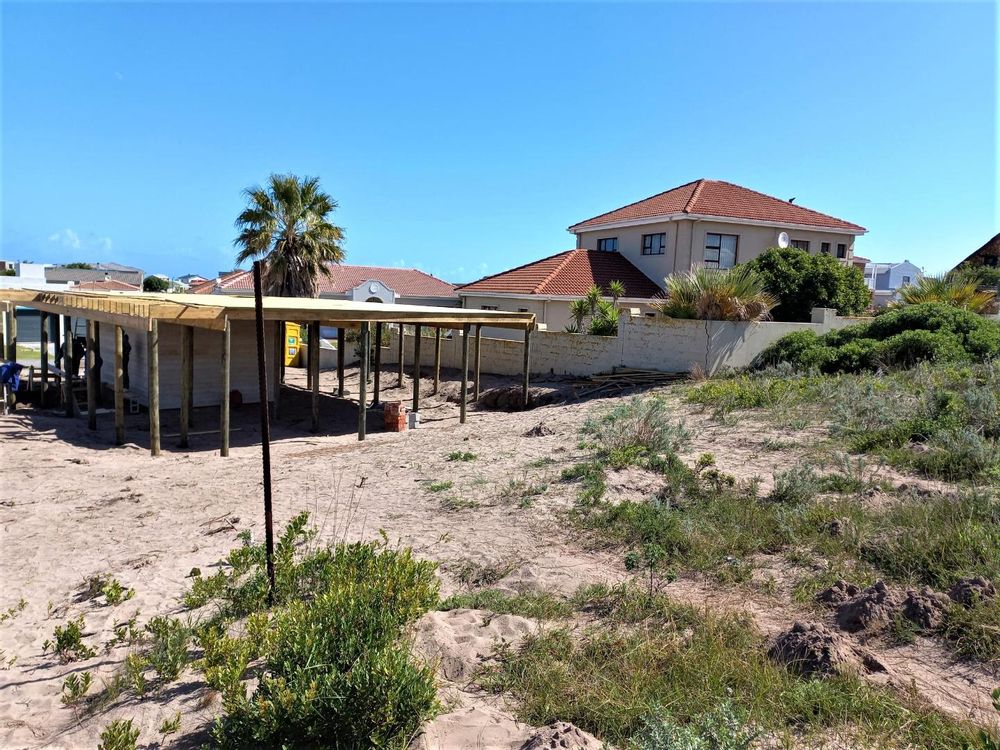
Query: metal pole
x=363, y=382
x=463, y=394
x=378, y=362
x=265, y=431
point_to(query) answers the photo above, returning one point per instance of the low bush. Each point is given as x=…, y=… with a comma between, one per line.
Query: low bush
x=606, y=679
x=899, y=338
x=725, y=727
x=540, y=606
x=975, y=631
x=636, y=431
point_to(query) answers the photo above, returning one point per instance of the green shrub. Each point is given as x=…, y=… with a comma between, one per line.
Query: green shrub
x=636, y=430
x=119, y=735
x=975, y=631
x=725, y=727
x=68, y=644
x=801, y=281
x=541, y=606
x=795, y=486
x=901, y=337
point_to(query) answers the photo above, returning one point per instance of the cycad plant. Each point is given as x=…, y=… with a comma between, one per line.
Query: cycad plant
x=616, y=290
x=951, y=289
x=288, y=225
x=735, y=294
x=579, y=309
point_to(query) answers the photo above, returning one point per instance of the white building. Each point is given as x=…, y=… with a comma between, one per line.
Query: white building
x=885, y=280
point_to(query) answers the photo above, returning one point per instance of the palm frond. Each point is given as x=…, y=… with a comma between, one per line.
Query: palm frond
x=735, y=294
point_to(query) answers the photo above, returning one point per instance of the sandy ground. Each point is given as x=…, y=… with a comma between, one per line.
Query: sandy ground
x=74, y=506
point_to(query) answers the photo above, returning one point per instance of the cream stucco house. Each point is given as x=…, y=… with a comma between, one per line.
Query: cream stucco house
x=702, y=223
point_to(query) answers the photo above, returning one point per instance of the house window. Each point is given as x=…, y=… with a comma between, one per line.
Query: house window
x=654, y=244
x=720, y=250
x=522, y=309
x=841, y=250
x=488, y=307
x=824, y=248
x=801, y=244
x=906, y=280
x=608, y=244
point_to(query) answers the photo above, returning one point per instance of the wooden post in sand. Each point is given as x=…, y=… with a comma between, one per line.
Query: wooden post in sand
x=363, y=382
x=463, y=394
x=378, y=363
x=12, y=333
x=187, y=381
x=43, y=335
x=279, y=360
x=313, y=369
x=341, y=345
x=437, y=359
x=416, y=367
x=527, y=365
x=224, y=396
x=153, y=353
x=119, y=387
x=98, y=363
x=478, y=361
x=67, y=364
x=91, y=378
x=400, y=383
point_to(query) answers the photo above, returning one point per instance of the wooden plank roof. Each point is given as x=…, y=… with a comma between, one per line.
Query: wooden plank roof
x=212, y=311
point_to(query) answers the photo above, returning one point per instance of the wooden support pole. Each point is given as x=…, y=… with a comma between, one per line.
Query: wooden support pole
x=12, y=334
x=341, y=346
x=224, y=396
x=363, y=382
x=119, y=387
x=478, y=362
x=313, y=368
x=153, y=353
x=416, y=367
x=279, y=359
x=43, y=335
x=527, y=365
x=463, y=394
x=265, y=428
x=187, y=378
x=91, y=378
x=401, y=350
x=67, y=361
x=378, y=363
x=99, y=363
x=5, y=324
x=437, y=359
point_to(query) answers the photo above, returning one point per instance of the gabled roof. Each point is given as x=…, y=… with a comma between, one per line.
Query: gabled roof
x=570, y=273
x=988, y=254
x=720, y=199
x=61, y=274
x=405, y=282
x=106, y=285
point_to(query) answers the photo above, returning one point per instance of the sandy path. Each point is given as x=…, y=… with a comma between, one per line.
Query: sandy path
x=74, y=507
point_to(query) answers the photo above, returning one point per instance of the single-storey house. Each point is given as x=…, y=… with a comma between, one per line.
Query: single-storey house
x=99, y=272
x=404, y=286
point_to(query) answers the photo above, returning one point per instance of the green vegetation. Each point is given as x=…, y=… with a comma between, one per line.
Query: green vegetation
x=635, y=432
x=615, y=681
x=439, y=486
x=155, y=284
x=287, y=224
x=119, y=735
x=710, y=294
x=952, y=289
x=723, y=727
x=68, y=644
x=461, y=456
x=801, y=281
x=75, y=687
x=901, y=337
x=114, y=593
x=541, y=606
x=603, y=314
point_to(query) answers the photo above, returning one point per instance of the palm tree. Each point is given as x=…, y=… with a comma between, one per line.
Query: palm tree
x=710, y=294
x=593, y=298
x=951, y=289
x=287, y=224
x=616, y=290
x=579, y=309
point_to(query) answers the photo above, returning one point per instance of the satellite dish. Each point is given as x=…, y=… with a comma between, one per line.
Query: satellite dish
x=783, y=239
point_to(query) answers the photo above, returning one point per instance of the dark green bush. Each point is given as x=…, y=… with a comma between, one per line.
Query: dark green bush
x=899, y=338
x=801, y=281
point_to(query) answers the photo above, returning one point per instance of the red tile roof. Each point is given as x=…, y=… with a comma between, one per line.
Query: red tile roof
x=722, y=199
x=569, y=273
x=405, y=282
x=107, y=285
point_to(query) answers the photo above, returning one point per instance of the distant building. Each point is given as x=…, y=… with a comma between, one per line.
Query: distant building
x=30, y=276
x=886, y=279
x=99, y=272
x=988, y=255
x=406, y=286
x=190, y=279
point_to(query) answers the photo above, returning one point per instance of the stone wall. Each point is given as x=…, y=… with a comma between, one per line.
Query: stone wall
x=645, y=343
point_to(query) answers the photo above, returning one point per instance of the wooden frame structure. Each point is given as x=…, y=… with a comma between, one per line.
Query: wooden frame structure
x=149, y=313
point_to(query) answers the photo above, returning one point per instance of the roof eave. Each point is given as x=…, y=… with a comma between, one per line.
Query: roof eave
x=577, y=228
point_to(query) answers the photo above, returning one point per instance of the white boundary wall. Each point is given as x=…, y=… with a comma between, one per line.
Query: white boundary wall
x=657, y=343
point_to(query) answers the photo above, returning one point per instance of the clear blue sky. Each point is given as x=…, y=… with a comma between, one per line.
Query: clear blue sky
x=464, y=139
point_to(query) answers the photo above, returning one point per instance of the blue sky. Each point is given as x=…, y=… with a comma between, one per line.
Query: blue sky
x=464, y=138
